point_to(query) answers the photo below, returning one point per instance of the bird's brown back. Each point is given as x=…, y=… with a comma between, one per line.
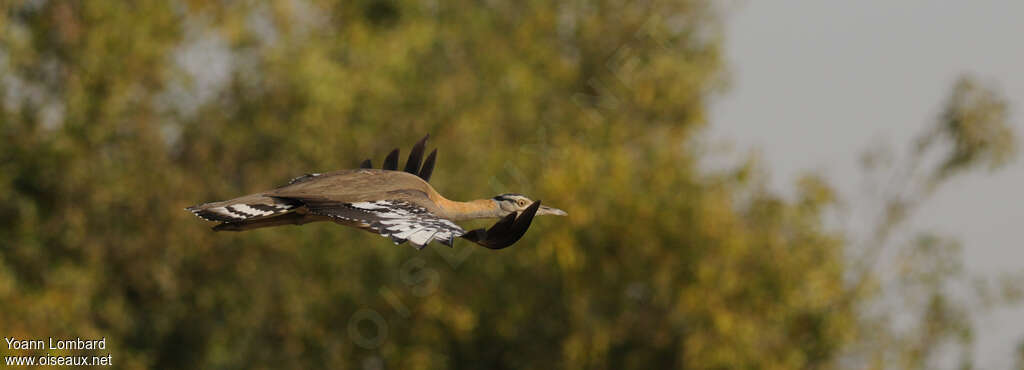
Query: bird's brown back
x=361, y=185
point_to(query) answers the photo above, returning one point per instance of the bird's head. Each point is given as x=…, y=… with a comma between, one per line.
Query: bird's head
x=509, y=203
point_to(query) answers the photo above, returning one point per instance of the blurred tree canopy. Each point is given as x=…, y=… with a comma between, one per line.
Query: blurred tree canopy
x=116, y=115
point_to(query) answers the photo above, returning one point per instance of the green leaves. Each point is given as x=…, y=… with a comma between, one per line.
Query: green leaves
x=975, y=126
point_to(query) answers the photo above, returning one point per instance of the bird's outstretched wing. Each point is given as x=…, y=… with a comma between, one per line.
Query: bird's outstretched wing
x=412, y=165
x=505, y=232
x=396, y=219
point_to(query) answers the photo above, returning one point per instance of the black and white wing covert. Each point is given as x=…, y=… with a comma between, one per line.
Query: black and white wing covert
x=396, y=219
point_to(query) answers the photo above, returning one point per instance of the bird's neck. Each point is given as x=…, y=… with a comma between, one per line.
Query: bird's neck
x=474, y=209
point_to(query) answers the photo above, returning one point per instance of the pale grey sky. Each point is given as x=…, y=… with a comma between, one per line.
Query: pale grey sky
x=816, y=82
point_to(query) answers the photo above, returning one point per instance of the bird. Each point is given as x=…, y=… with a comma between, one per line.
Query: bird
x=400, y=205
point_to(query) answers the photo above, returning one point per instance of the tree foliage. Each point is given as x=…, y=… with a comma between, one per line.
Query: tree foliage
x=116, y=115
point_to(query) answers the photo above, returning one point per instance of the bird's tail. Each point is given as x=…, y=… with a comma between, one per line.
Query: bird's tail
x=249, y=207
x=287, y=218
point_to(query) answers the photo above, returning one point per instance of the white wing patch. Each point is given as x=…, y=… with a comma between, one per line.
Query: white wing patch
x=403, y=221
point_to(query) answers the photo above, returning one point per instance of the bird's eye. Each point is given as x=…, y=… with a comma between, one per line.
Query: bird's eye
x=521, y=202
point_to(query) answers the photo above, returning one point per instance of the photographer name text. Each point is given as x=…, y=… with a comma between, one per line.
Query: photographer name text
x=56, y=343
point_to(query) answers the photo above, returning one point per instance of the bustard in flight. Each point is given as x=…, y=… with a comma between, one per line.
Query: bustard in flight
x=400, y=205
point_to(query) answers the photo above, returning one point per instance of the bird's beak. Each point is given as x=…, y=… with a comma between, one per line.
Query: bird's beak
x=545, y=210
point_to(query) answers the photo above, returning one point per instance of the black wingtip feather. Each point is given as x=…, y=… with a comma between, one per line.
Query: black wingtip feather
x=428, y=166
x=412, y=165
x=391, y=162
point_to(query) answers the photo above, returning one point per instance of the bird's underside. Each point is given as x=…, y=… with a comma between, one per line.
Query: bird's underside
x=400, y=205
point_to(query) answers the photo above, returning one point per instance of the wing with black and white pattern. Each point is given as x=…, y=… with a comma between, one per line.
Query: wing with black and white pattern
x=396, y=219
